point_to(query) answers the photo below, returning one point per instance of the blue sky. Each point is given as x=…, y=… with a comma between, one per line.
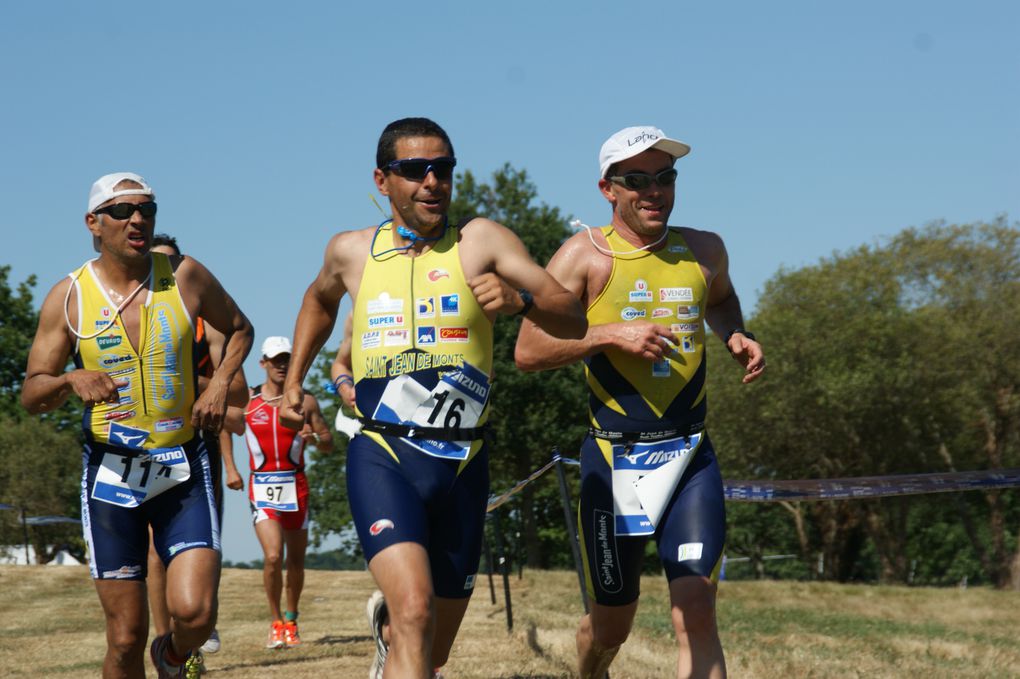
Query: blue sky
x=815, y=126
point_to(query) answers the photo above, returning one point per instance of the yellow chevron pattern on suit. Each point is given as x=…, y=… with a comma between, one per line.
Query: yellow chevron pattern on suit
x=667, y=287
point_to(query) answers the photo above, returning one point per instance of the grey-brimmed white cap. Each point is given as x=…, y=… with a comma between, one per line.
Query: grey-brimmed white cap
x=631, y=141
x=103, y=188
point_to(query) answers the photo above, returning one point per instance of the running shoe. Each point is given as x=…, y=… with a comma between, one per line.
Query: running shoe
x=157, y=653
x=376, y=612
x=290, y=634
x=276, y=635
x=212, y=644
x=195, y=667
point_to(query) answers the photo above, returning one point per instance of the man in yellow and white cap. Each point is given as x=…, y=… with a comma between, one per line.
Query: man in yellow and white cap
x=647, y=465
x=126, y=318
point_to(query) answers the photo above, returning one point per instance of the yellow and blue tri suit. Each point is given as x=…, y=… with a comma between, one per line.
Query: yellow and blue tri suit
x=143, y=462
x=647, y=429
x=422, y=359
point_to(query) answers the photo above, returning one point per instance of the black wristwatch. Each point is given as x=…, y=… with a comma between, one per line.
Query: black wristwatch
x=743, y=332
x=528, y=299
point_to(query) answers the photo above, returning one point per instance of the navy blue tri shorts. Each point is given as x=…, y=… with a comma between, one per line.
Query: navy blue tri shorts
x=690, y=534
x=182, y=518
x=420, y=499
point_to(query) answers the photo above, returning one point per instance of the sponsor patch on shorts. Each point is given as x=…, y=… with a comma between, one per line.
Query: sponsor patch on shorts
x=469, y=582
x=123, y=573
x=690, y=551
x=181, y=546
x=379, y=526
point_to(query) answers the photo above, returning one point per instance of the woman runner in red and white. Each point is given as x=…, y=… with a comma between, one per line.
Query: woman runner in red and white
x=278, y=489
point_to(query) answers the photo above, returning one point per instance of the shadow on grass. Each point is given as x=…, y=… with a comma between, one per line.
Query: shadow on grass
x=340, y=641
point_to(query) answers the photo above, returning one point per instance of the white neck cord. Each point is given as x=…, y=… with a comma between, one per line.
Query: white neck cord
x=577, y=223
x=113, y=317
x=265, y=402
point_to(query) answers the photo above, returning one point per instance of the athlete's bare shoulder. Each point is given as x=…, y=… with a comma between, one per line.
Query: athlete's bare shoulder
x=350, y=245
x=57, y=301
x=707, y=246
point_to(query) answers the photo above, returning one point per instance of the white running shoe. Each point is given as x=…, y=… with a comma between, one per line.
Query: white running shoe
x=376, y=612
x=212, y=644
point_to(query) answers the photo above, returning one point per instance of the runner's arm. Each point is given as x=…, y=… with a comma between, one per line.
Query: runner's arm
x=341, y=367
x=314, y=324
x=537, y=350
x=316, y=431
x=238, y=393
x=555, y=309
x=221, y=313
x=722, y=311
x=47, y=385
x=234, y=480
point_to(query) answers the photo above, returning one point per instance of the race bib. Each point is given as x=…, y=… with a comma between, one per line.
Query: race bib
x=456, y=402
x=645, y=475
x=129, y=480
x=275, y=490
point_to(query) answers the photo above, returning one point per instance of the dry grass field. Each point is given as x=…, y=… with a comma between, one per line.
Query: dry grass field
x=52, y=627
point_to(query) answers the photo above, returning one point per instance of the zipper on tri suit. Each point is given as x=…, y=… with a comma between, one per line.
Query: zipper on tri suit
x=413, y=310
x=141, y=382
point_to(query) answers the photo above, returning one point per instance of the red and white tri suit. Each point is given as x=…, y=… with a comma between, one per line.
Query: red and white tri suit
x=273, y=447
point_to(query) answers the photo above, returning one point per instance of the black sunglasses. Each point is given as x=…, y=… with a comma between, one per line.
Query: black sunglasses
x=125, y=210
x=635, y=181
x=416, y=169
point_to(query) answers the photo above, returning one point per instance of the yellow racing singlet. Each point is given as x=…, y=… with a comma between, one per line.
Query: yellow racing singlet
x=667, y=287
x=154, y=410
x=421, y=345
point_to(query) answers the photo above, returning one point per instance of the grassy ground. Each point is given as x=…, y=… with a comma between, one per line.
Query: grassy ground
x=52, y=627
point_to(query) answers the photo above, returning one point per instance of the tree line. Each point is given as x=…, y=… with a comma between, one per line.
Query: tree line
x=896, y=357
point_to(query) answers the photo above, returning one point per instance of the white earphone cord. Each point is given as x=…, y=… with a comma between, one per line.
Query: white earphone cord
x=577, y=223
x=113, y=317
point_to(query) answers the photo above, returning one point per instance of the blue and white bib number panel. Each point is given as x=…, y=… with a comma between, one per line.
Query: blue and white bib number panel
x=645, y=476
x=456, y=402
x=131, y=479
x=275, y=490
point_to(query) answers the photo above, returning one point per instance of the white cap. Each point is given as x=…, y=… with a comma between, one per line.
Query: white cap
x=102, y=189
x=631, y=141
x=274, y=346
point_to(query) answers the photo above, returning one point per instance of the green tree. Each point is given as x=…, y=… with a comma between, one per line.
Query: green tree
x=40, y=472
x=18, y=319
x=888, y=359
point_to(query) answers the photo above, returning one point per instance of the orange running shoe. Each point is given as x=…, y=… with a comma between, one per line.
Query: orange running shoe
x=290, y=634
x=276, y=635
